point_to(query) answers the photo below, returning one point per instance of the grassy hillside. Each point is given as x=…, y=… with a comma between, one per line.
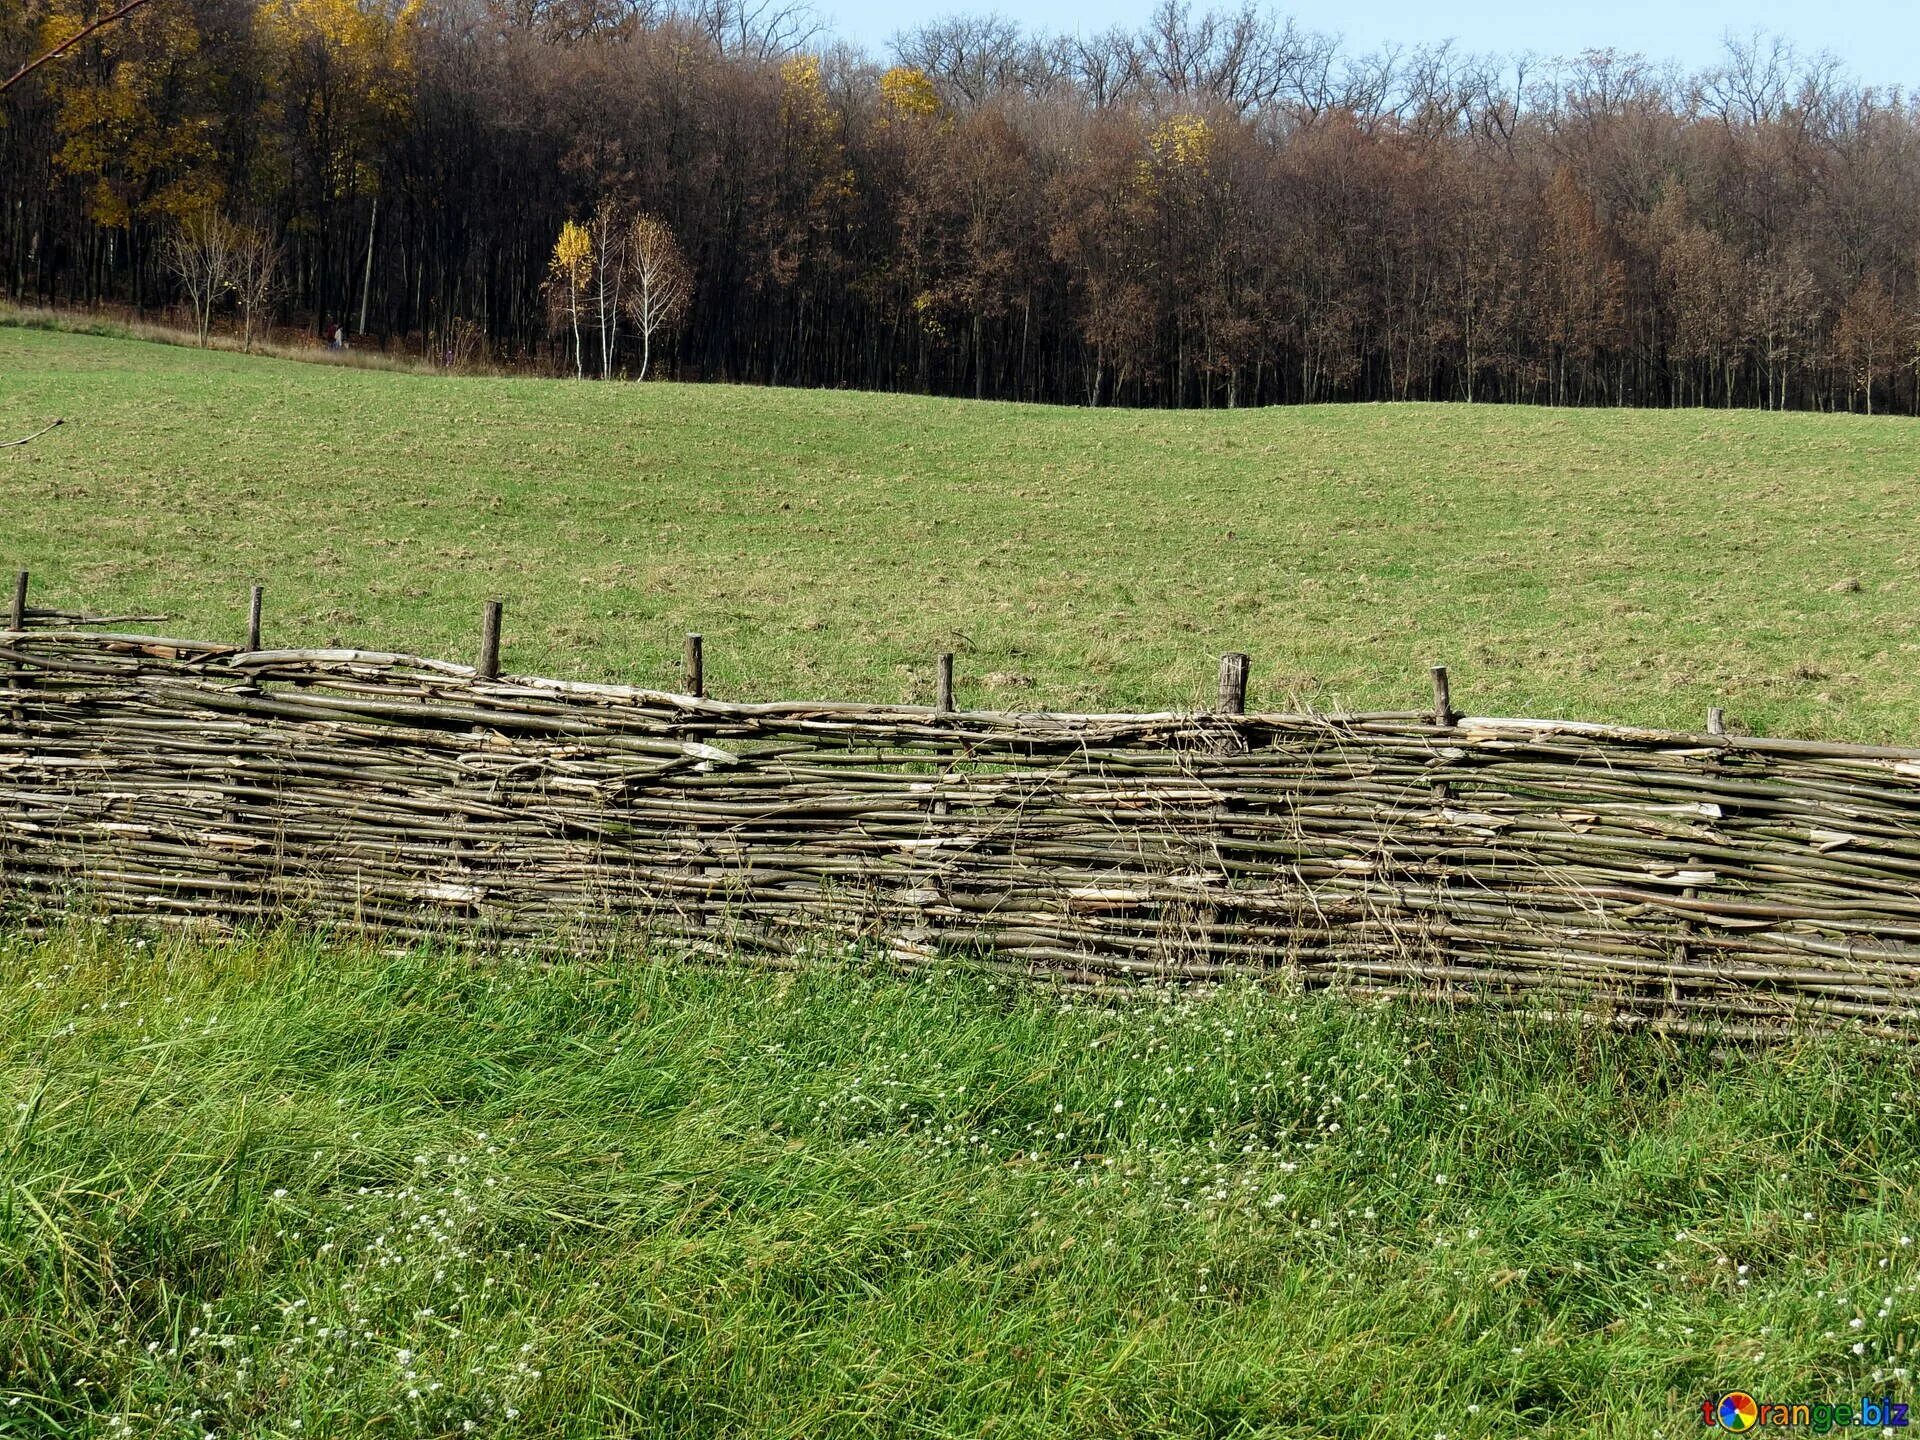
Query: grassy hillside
x=276, y=1189
x=279, y=1191
x=1625, y=565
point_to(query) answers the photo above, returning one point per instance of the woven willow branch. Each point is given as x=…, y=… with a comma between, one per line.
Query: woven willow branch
x=1692, y=881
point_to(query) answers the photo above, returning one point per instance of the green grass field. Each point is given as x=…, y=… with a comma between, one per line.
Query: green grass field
x=290, y=1188
x=1636, y=566
x=280, y=1190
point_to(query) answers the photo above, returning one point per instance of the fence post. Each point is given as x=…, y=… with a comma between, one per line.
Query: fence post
x=943, y=703
x=490, y=641
x=1232, y=698
x=696, y=668
x=17, y=620
x=254, y=604
x=1716, y=720
x=1443, y=718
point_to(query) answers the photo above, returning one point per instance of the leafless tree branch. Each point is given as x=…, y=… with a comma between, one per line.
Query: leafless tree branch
x=67, y=44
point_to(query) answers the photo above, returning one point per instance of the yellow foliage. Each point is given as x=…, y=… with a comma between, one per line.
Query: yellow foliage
x=122, y=114
x=801, y=76
x=370, y=41
x=348, y=65
x=926, y=308
x=1179, y=145
x=572, y=262
x=908, y=92
x=803, y=97
x=812, y=139
x=1182, y=141
x=351, y=28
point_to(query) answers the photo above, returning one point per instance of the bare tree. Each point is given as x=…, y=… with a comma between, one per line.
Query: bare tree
x=256, y=281
x=1753, y=84
x=975, y=58
x=1782, y=312
x=1236, y=58
x=754, y=30
x=659, y=283
x=1107, y=66
x=1869, y=336
x=611, y=230
x=202, y=252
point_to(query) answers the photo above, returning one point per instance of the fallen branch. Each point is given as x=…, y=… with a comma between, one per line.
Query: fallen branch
x=9, y=444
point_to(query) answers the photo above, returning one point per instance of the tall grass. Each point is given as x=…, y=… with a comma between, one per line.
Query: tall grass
x=283, y=1188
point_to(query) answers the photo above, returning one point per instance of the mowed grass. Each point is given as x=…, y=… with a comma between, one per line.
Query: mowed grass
x=1634, y=566
x=284, y=1189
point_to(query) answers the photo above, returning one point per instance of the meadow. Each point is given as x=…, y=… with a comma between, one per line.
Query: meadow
x=287, y=1189
x=1623, y=565
x=292, y=1185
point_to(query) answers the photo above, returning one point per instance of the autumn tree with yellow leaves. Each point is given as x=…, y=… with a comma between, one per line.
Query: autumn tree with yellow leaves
x=908, y=94
x=816, y=186
x=134, y=121
x=52, y=49
x=569, y=274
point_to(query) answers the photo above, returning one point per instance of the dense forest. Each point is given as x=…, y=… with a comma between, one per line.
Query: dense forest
x=1218, y=208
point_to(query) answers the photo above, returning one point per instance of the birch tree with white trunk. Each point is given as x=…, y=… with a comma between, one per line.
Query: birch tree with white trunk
x=611, y=228
x=659, y=283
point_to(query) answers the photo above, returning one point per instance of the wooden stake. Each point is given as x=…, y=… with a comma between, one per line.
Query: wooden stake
x=1716, y=720
x=696, y=668
x=254, y=605
x=943, y=702
x=490, y=641
x=1233, y=683
x=1443, y=715
x=17, y=616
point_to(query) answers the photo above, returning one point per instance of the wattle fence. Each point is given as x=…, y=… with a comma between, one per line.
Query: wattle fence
x=1703, y=882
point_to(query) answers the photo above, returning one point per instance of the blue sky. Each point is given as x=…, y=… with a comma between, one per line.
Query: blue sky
x=1878, y=40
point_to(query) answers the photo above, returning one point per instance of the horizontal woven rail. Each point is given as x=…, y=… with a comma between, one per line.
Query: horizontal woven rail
x=1694, y=881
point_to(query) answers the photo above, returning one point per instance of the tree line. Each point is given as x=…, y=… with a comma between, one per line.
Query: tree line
x=1217, y=208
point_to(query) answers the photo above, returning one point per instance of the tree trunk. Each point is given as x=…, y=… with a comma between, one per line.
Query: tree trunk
x=366, y=272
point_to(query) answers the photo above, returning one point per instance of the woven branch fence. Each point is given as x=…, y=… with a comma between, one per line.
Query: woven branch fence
x=1699, y=882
